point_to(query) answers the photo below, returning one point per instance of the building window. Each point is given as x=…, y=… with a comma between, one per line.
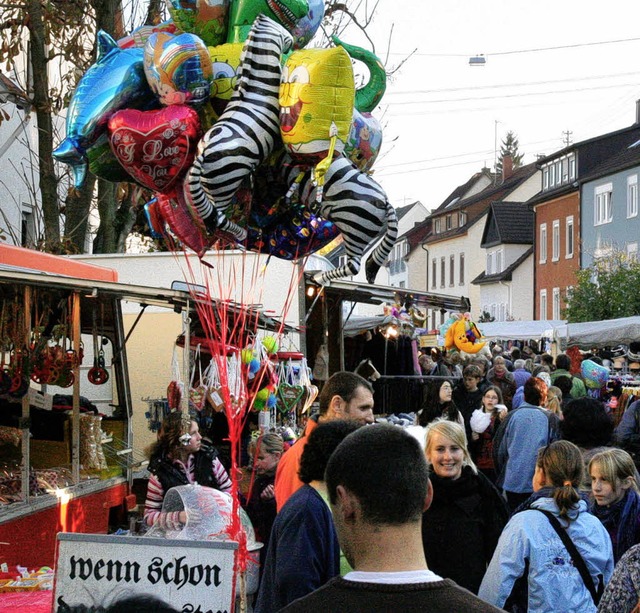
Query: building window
x=493, y=311
x=436, y=226
x=461, y=274
x=555, y=307
x=543, y=243
x=545, y=178
x=499, y=261
x=572, y=167
x=602, y=205
x=28, y=229
x=433, y=320
x=558, y=172
x=434, y=270
x=442, y=271
x=503, y=310
x=490, y=263
x=555, y=241
x=569, y=237
x=543, y=304
x=462, y=219
x=452, y=269
x=448, y=222
x=632, y=196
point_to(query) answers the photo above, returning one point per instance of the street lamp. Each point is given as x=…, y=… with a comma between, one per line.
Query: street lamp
x=477, y=60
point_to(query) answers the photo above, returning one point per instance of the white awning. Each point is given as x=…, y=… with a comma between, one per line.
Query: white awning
x=520, y=330
x=597, y=334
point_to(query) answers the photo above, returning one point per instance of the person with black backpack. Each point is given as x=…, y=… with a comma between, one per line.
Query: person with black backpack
x=553, y=555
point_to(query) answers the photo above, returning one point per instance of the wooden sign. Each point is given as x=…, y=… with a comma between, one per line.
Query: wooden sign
x=98, y=570
x=428, y=340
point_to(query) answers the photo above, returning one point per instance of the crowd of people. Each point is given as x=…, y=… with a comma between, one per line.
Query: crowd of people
x=514, y=490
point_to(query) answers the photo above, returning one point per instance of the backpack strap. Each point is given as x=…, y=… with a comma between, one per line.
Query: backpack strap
x=576, y=558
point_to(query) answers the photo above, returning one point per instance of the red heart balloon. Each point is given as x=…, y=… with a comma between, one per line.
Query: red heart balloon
x=155, y=147
x=189, y=230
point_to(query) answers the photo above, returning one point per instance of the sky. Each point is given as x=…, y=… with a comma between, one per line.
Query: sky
x=552, y=67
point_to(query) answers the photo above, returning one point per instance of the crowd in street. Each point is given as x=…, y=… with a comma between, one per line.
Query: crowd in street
x=515, y=489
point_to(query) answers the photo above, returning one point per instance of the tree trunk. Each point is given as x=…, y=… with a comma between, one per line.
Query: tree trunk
x=42, y=105
x=109, y=19
x=77, y=209
x=107, y=238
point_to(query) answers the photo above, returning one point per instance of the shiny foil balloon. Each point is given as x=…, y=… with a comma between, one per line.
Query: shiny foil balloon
x=306, y=27
x=296, y=236
x=188, y=229
x=206, y=19
x=365, y=140
x=226, y=65
x=178, y=68
x=139, y=36
x=154, y=218
x=155, y=147
x=104, y=164
x=116, y=81
x=317, y=94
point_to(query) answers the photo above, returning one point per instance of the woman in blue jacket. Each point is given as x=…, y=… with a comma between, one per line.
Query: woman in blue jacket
x=529, y=548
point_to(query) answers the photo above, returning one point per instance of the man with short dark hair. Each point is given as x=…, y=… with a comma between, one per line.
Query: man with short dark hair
x=378, y=486
x=516, y=443
x=345, y=395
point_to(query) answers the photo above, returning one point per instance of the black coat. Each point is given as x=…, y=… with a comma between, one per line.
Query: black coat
x=460, y=530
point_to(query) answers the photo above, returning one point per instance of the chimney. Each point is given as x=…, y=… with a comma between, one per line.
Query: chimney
x=507, y=167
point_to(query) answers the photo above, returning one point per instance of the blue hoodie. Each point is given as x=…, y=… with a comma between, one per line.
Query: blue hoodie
x=554, y=583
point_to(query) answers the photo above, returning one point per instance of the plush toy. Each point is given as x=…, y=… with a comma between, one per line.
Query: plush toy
x=462, y=334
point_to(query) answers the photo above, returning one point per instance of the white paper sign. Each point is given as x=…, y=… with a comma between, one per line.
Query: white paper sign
x=102, y=570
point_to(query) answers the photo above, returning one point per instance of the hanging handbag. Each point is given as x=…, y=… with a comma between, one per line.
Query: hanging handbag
x=576, y=558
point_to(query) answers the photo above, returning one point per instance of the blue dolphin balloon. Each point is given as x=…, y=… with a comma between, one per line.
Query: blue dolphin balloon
x=116, y=81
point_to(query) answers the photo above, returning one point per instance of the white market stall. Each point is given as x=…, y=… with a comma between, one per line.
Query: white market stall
x=520, y=330
x=598, y=334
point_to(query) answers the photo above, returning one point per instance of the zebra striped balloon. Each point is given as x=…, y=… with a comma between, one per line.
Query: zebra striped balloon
x=246, y=132
x=358, y=207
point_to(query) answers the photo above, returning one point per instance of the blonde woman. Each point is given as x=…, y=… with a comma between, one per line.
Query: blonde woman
x=531, y=568
x=462, y=526
x=554, y=400
x=616, y=501
x=261, y=505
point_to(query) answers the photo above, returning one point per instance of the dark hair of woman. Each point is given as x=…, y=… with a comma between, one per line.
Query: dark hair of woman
x=586, y=423
x=433, y=407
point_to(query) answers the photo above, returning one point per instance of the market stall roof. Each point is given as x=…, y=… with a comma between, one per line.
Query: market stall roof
x=520, y=330
x=598, y=334
x=176, y=299
x=381, y=294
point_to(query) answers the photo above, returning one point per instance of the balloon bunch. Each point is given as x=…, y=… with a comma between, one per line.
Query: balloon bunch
x=140, y=112
x=261, y=374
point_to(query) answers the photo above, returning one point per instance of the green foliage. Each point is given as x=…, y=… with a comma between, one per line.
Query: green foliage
x=509, y=146
x=606, y=290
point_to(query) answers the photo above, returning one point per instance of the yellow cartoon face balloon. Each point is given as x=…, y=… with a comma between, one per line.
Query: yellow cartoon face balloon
x=226, y=64
x=317, y=91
